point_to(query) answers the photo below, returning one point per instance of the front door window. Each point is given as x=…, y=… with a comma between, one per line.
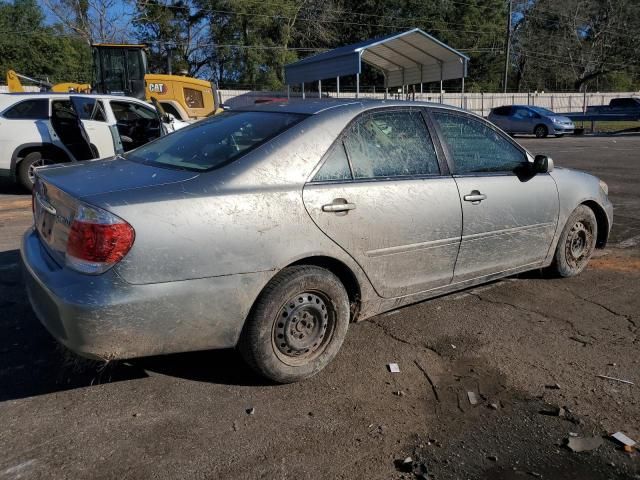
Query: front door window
x=137, y=124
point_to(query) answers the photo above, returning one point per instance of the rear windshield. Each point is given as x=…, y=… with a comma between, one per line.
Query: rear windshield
x=216, y=141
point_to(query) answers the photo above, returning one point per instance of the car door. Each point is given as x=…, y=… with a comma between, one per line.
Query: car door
x=521, y=120
x=382, y=195
x=71, y=124
x=501, y=116
x=102, y=134
x=509, y=215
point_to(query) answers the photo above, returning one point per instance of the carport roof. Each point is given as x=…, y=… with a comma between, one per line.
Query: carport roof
x=405, y=58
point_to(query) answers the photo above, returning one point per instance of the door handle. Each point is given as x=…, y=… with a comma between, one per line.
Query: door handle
x=338, y=205
x=475, y=197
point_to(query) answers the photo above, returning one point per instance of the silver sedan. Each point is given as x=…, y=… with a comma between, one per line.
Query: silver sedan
x=271, y=229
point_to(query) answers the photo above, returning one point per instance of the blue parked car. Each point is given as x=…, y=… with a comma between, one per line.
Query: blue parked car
x=527, y=119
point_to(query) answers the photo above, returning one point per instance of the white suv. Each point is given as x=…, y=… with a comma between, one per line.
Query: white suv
x=41, y=128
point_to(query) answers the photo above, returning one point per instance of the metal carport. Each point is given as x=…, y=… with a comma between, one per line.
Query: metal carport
x=407, y=58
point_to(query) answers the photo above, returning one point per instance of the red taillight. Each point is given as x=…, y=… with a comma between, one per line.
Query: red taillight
x=97, y=240
x=94, y=242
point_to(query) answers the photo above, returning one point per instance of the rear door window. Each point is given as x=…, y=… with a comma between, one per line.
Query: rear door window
x=522, y=113
x=216, y=141
x=336, y=165
x=36, y=109
x=391, y=144
x=503, y=111
x=89, y=109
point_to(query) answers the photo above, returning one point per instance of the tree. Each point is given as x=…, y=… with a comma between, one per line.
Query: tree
x=250, y=42
x=574, y=43
x=175, y=30
x=96, y=21
x=36, y=50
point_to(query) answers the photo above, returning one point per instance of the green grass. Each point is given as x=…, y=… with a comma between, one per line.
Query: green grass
x=606, y=127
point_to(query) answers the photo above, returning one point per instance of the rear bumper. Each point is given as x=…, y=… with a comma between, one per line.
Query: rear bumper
x=106, y=318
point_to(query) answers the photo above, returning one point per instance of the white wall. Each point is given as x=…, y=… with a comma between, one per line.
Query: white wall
x=5, y=89
x=479, y=103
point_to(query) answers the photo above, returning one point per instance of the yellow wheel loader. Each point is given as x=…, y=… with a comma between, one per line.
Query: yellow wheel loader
x=122, y=70
x=15, y=85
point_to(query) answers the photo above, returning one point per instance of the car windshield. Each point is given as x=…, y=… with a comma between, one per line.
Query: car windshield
x=216, y=141
x=542, y=111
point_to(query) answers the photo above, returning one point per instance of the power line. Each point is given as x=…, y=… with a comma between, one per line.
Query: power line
x=316, y=20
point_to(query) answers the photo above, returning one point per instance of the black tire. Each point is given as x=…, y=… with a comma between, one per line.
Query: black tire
x=26, y=166
x=559, y=135
x=541, y=131
x=576, y=243
x=297, y=324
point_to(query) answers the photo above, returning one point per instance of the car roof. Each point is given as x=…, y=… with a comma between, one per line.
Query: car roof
x=316, y=106
x=7, y=98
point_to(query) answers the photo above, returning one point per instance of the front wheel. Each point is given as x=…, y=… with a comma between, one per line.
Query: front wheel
x=297, y=325
x=576, y=244
x=541, y=131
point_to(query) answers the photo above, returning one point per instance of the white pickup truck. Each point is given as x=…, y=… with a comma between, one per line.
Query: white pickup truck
x=42, y=128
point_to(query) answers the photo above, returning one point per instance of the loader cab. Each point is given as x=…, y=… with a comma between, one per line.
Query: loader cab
x=119, y=69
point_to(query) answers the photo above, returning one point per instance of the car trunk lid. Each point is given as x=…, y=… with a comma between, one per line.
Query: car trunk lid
x=60, y=190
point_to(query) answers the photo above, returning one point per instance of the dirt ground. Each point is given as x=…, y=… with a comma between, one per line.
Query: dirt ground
x=529, y=348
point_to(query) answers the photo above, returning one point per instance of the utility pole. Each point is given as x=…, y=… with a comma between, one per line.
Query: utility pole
x=507, y=52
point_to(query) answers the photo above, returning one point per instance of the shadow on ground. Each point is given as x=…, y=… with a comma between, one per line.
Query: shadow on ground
x=33, y=363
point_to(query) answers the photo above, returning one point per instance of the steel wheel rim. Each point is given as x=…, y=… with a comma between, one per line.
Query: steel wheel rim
x=303, y=328
x=578, y=244
x=32, y=169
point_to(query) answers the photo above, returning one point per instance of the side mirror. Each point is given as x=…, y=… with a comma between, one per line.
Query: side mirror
x=542, y=164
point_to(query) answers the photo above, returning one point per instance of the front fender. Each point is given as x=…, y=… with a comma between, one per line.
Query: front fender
x=577, y=188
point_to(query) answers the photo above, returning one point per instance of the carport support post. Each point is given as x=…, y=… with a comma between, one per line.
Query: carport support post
x=319, y=88
x=386, y=92
x=337, y=87
x=288, y=92
x=303, y=90
x=441, y=78
x=357, y=85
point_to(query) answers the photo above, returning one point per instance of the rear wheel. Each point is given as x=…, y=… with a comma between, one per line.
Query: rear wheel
x=576, y=244
x=297, y=325
x=541, y=131
x=27, y=166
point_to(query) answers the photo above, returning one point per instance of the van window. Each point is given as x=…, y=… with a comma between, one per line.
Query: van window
x=36, y=109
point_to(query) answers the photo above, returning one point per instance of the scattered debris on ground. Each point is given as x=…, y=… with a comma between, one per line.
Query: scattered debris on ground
x=583, y=444
x=623, y=439
x=616, y=379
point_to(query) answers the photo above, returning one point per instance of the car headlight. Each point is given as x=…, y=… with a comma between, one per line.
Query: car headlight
x=604, y=187
x=557, y=120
